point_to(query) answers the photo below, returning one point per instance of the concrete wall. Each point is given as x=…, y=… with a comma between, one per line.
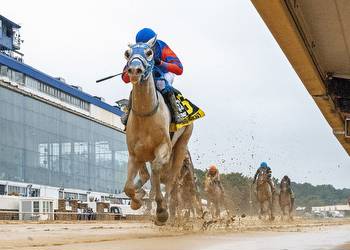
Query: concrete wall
x=105, y=116
x=9, y=202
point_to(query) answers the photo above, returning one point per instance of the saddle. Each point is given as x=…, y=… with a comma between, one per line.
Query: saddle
x=187, y=110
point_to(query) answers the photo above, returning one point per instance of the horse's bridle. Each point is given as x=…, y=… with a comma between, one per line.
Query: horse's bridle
x=137, y=53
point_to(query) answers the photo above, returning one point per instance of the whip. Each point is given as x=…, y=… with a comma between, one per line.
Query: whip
x=108, y=77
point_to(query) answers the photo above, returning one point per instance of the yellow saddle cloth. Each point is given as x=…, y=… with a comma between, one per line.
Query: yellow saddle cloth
x=188, y=111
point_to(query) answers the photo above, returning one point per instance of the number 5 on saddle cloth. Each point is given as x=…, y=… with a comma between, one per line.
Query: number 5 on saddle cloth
x=188, y=111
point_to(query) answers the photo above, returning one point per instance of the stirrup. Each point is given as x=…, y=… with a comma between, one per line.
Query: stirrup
x=124, y=118
x=178, y=119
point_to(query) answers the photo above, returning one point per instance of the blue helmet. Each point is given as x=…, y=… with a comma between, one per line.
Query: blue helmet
x=144, y=35
x=263, y=164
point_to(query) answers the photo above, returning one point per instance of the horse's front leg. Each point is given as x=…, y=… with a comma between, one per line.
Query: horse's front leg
x=130, y=188
x=272, y=217
x=162, y=157
x=217, y=209
x=161, y=212
x=261, y=210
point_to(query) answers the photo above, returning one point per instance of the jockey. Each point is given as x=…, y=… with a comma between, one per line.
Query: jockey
x=264, y=166
x=214, y=176
x=287, y=180
x=166, y=64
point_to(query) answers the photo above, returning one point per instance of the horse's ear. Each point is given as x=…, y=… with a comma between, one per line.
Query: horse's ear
x=151, y=42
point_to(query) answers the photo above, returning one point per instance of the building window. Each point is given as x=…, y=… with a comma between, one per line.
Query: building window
x=2, y=189
x=3, y=70
x=70, y=196
x=36, y=206
x=17, y=191
x=34, y=84
x=83, y=197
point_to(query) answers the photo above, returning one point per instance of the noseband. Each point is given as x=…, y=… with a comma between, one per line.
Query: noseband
x=138, y=53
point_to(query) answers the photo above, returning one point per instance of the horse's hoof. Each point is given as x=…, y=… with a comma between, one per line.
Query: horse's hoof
x=135, y=205
x=158, y=223
x=162, y=215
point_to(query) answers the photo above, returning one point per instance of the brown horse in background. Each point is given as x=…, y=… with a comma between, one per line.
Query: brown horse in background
x=264, y=196
x=188, y=197
x=215, y=197
x=286, y=201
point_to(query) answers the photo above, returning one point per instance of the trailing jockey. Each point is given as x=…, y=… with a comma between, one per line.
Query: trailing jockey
x=214, y=176
x=265, y=167
x=166, y=64
x=290, y=191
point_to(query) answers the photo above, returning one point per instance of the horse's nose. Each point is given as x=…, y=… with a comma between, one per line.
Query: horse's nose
x=135, y=68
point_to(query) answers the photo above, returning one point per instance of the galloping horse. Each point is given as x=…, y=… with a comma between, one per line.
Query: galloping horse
x=215, y=196
x=286, y=200
x=187, y=191
x=264, y=195
x=147, y=134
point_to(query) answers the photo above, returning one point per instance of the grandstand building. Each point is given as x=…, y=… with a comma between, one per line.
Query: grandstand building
x=55, y=139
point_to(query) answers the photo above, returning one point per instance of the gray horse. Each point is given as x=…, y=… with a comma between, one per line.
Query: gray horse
x=264, y=196
x=147, y=134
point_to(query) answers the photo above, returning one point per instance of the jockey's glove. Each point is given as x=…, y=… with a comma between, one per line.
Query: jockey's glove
x=157, y=61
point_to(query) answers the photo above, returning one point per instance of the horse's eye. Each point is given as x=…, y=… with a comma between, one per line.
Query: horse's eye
x=127, y=54
x=149, y=54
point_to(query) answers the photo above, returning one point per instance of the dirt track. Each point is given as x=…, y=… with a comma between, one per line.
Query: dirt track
x=246, y=234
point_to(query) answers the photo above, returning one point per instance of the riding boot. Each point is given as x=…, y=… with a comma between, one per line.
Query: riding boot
x=170, y=96
x=125, y=116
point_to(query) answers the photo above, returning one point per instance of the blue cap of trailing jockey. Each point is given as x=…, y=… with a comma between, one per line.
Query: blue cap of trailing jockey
x=144, y=35
x=263, y=164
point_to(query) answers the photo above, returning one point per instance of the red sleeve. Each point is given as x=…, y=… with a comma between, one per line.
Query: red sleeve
x=125, y=76
x=170, y=61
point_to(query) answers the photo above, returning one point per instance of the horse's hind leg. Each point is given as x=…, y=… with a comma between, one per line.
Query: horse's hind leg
x=179, y=151
x=129, y=188
x=144, y=177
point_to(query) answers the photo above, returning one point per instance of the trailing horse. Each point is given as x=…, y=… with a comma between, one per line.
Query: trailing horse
x=215, y=197
x=286, y=199
x=264, y=196
x=147, y=134
x=188, y=197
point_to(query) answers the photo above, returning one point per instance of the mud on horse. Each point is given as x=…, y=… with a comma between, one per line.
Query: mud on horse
x=147, y=134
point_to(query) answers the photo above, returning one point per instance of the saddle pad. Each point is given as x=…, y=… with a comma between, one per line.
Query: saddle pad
x=187, y=110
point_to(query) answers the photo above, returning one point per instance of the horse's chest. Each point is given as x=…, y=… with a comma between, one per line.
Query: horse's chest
x=144, y=148
x=284, y=198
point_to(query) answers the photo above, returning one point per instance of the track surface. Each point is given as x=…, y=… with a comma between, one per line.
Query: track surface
x=299, y=235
